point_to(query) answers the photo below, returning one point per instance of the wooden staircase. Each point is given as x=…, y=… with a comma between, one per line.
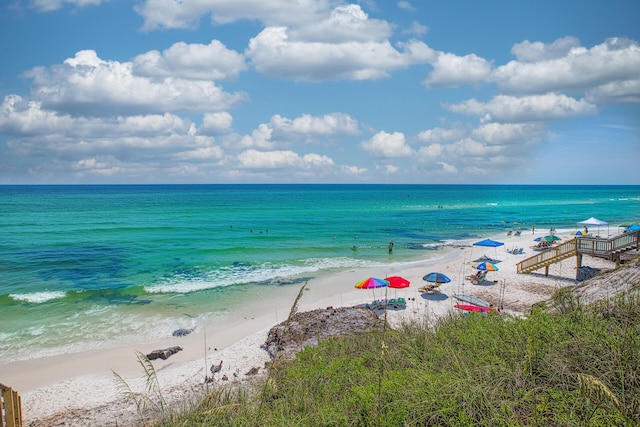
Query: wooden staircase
x=604, y=248
x=548, y=257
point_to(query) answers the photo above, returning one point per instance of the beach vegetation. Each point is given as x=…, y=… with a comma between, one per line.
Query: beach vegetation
x=565, y=364
x=152, y=399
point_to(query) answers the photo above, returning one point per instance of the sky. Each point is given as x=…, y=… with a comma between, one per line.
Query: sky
x=320, y=91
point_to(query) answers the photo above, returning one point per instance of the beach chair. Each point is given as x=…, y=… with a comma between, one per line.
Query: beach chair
x=431, y=287
x=475, y=279
x=517, y=233
x=375, y=305
x=401, y=302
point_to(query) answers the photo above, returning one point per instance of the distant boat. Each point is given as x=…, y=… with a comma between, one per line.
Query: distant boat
x=472, y=300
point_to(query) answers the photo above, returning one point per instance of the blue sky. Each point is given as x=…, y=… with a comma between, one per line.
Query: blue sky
x=275, y=91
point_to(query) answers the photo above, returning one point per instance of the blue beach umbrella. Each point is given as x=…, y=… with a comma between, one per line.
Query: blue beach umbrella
x=634, y=227
x=436, y=278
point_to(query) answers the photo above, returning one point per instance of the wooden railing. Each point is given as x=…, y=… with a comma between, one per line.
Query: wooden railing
x=604, y=248
x=607, y=248
x=10, y=407
x=550, y=256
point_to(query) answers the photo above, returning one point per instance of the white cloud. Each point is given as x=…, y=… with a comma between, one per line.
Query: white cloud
x=417, y=29
x=580, y=69
x=440, y=134
x=216, y=123
x=479, y=151
x=406, y=6
x=191, y=61
x=259, y=138
x=432, y=151
x=616, y=92
x=284, y=131
x=200, y=154
x=388, y=169
x=470, y=150
x=136, y=148
x=283, y=159
x=88, y=85
x=274, y=54
x=27, y=118
x=387, y=145
x=344, y=23
x=187, y=14
x=51, y=5
x=353, y=170
x=527, y=51
x=447, y=168
x=507, y=133
x=451, y=70
x=314, y=161
x=307, y=125
x=504, y=108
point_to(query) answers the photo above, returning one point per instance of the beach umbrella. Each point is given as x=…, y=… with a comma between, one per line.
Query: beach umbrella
x=397, y=282
x=581, y=233
x=372, y=283
x=634, y=227
x=489, y=243
x=551, y=238
x=436, y=278
x=486, y=266
x=485, y=258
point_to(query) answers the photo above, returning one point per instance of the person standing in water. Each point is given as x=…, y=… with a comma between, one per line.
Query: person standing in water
x=390, y=246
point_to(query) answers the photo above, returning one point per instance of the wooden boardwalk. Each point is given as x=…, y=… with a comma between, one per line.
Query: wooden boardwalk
x=610, y=249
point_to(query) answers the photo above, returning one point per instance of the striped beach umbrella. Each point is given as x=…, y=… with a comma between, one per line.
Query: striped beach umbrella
x=486, y=266
x=372, y=283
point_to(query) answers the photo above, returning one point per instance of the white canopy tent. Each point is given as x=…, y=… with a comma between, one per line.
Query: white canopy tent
x=594, y=222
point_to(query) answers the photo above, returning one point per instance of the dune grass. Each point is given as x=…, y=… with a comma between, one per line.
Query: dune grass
x=566, y=364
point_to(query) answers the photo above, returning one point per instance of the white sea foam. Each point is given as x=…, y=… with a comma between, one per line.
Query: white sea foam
x=244, y=274
x=38, y=297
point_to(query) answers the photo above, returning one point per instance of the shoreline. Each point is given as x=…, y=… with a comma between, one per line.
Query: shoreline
x=82, y=386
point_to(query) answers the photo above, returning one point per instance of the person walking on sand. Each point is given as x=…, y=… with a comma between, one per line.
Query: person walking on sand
x=390, y=246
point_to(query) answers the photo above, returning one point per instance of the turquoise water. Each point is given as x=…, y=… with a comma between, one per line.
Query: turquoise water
x=85, y=265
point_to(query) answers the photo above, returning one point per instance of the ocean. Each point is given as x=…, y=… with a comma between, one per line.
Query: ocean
x=85, y=267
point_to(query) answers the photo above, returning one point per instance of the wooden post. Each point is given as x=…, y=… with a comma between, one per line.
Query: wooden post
x=578, y=264
x=546, y=270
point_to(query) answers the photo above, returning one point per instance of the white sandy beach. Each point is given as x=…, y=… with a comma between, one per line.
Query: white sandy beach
x=79, y=389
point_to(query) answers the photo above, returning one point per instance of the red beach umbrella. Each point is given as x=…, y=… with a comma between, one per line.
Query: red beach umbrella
x=397, y=282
